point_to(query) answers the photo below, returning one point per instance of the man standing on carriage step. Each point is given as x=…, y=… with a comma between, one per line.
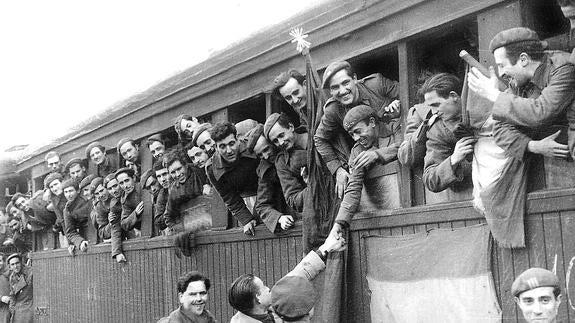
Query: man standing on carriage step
x=193, y=290
x=332, y=141
x=21, y=290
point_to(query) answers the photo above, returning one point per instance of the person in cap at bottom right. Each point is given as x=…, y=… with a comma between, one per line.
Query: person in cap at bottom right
x=291, y=299
x=538, y=294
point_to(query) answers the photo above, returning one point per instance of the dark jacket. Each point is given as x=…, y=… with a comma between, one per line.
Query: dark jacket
x=289, y=165
x=100, y=219
x=59, y=203
x=270, y=201
x=21, y=289
x=180, y=194
x=77, y=219
x=129, y=219
x=108, y=166
x=234, y=181
x=114, y=218
x=160, y=202
x=38, y=216
x=412, y=150
x=332, y=142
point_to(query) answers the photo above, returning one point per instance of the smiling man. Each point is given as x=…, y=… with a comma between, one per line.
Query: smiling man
x=76, y=217
x=332, y=141
x=76, y=169
x=232, y=172
x=114, y=216
x=291, y=86
x=156, y=145
x=132, y=204
x=193, y=289
x=537, y=292
x=96, y=153
x=203, y=139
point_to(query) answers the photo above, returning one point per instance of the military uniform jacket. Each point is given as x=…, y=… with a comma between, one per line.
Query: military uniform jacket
x=180, y=194
x=548, y=98
x=332, y=142
x=100, y=219
x=59, y=202
x=76, y=220
x=289, y=165
x=114, y=218
x=234, y=181
x=386, y=149
x=160, y=202
x=438, y=173
x=108, y=166
x=412, y=150
x=270, y=201
x=129, y=219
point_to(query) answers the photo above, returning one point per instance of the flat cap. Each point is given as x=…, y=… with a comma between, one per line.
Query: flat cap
x=127, y=170
x=72, y=162
x=93, y=145
x=70, y=182
x=86, y=181
x=157, y=137
x=514, y=35
x=270, y=122
x=96, y=182
x=357, y=114
x=147, y=174
x=199, y=130
x=330, y=70
x=534, y=278
x=293, y=297
x=14, y=255
x=52, y=177
x=244, y=126
x=252, y=137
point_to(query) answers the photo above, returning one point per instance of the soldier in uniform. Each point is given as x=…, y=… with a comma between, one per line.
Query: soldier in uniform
x=101, y=209
x=21, y=290
x=132, y=204
x=379, y=179
x=163, y=178
x=270, y=202
x=332, y=141
x=156, y=145
x=76, y=169
x=114, y=216
x=232, y=172
x=537, y=292
x=85, y=188
x=53, y=162
x=104, y=164
x=291, y=87
x=129, y=150
x=76, y=217
x=57, y=200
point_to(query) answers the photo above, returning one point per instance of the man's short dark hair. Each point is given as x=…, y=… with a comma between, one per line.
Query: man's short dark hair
x=189, y=277
x=242, y=293
x=284, y=121
x=158, y=165
x=443, y=84
x=16, y=196
x=172, y=156
x=534, y=49
x=283, y=78
x=221, y=130
x=50, y=155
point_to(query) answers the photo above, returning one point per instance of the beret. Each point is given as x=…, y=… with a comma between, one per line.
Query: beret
x=293, y=297
x=534, y=278
x=127, y=170
x=96, y=182
x=357, y=114
x=93, y=145
x=514, y=35
x=14, y=255
x=86, y=181
x=52, y=177
x=252, y=137
x=145, y=177
x=244, y=126
x=108, y=178
x=72, y=162
x=270, y=122
x=157, y=137
x=199, y=130
x=121, y=143
x=70, y=182
x=330, y=70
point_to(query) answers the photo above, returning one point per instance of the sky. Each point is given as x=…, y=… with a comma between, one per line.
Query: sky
x=63, y=61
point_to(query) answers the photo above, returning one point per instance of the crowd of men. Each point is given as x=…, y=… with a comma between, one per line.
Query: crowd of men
x=261, y=173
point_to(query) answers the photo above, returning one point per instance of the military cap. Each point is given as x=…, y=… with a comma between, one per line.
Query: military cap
x=357, y=114
x=331, y=69
x=293, y=297
x=534, y=278
x=86, y=181
x=122, y=142
x=157, y=137
x=199, y=130
x=93, y=145
x=244, y=126
x=270, y=122
x=514, y=35
x=108, y=178
x=96, y=182
x=147, y=174
x=52, y=177
x=14, y=255
x=70, y=182
x=127, y=170
x=72, y=162
x=253, y=136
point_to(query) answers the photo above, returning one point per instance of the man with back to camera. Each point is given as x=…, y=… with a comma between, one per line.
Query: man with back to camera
x=193, y=289
x=96, y=153
x=332, y=141
x=538, y=294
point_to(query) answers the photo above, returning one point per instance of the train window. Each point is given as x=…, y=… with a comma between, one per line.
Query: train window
x=252, y=108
